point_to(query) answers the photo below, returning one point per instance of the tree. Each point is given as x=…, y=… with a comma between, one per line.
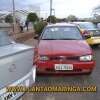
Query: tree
x=51, y=19
x=32, y=17
x=61, y=20
x=9, y=19
x=72, y=18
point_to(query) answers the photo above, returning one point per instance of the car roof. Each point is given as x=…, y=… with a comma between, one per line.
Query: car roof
x=60, y=24
x=81, y=22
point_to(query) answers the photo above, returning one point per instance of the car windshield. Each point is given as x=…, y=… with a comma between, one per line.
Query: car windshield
x=61, y=33
x=4, y=38
x=88, y=26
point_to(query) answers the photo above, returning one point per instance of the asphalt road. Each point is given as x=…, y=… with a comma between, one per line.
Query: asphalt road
x=81, y=80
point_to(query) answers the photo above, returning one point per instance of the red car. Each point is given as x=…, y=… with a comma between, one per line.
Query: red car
x=62, y=49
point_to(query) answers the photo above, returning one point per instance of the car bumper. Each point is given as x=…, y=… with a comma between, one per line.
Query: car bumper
x=78, y=67
x=27, y=80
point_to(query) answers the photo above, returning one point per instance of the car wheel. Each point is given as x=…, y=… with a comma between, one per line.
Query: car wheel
x=96, y=45
x=89, y=73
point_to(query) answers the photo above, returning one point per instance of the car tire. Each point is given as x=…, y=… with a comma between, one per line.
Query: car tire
x=89, y=73
x=96, y=45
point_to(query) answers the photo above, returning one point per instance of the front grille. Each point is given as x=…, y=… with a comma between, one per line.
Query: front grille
x=64, y=58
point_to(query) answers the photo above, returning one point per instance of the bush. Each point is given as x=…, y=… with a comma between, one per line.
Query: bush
x=39, y=26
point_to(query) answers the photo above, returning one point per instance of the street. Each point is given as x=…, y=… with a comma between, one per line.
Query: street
x=81, y=80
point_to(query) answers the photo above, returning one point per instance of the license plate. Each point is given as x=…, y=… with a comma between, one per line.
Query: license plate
x=63, y=67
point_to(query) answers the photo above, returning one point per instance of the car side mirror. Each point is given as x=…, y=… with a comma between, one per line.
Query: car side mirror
x=86, y=34
x=36, y=36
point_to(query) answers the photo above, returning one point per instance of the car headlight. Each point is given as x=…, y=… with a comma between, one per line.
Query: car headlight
x=86, y=58
x=44, y=58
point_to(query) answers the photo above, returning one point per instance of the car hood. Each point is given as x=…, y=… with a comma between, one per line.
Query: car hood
x=12, y=49
x=15, y=63
x=64, y=47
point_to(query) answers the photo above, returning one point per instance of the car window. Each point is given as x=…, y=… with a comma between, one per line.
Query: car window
x=90, y=26
x=4, y=38
x=62, y=33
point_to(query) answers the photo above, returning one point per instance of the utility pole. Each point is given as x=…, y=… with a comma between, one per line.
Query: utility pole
x=50, y=9
x=14, y=18
x=53, y=10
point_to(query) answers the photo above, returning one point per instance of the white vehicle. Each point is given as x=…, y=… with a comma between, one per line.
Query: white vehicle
x=16, y=66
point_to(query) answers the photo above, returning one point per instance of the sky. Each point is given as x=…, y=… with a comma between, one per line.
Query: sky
x=63, y=8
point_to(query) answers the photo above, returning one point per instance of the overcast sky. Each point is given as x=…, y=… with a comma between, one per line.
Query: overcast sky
x=63, y=8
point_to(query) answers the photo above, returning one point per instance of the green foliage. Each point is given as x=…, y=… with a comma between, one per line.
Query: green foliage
x=9, y=19
x=39, y=26
x=61, y=20
x=52, y=19
x=72, y=18
x=32, y=17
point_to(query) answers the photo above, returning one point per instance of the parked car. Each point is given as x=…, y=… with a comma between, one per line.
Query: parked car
x=16, y=66
x=98, y=25
x=62, y=49
x=91, y=31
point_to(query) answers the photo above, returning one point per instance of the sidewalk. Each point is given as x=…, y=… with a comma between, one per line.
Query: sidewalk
x=21, y=37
